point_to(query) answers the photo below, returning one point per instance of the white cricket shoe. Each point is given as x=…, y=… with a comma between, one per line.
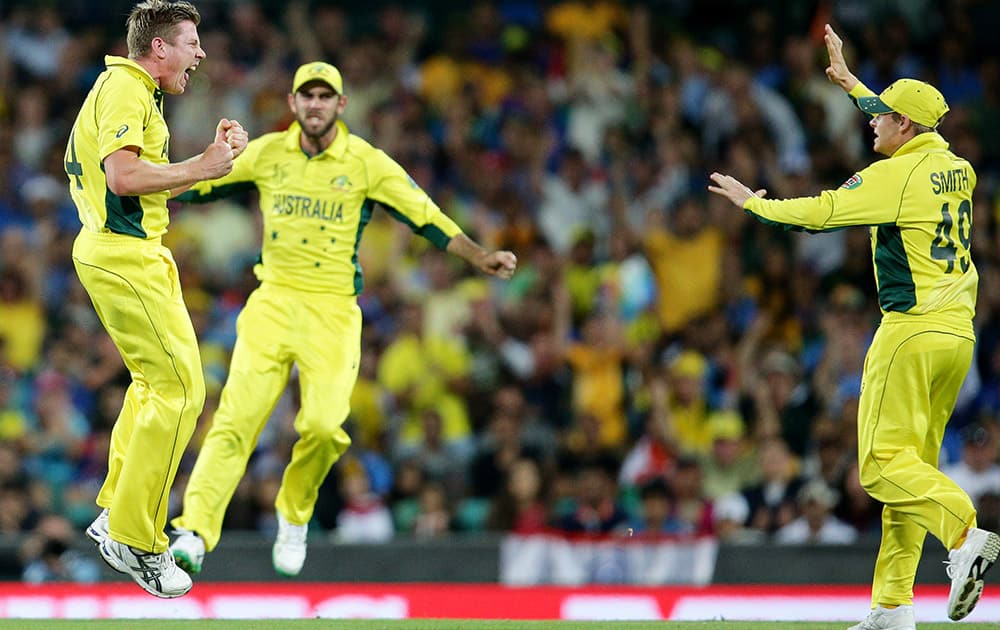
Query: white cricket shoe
x=289, y=551
x=966, y=567
x=188, y=550
x=156, y=573
x=98, y=530
x=898, y=618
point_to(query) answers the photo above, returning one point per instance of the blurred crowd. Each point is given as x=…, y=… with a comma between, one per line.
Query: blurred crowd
x=660, y=364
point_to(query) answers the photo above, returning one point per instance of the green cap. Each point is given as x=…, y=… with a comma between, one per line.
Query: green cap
x=318, y=71
x=920, y=102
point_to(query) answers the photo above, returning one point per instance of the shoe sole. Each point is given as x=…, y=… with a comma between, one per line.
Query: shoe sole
x=286, y=574
x=159, y=594
x=972, y=590
x=185, y=562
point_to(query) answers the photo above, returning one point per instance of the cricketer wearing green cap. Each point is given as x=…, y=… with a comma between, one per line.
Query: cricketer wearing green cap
x=920, y=102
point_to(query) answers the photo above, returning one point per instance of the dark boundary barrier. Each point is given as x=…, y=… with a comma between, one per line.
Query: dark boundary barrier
x=475, y=559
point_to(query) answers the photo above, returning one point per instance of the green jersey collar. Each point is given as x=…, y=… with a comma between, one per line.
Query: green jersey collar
x=336, y=149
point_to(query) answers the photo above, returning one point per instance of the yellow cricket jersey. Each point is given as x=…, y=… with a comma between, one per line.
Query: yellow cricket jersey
x=124, y=108
x=315, y=208
x=918, y=204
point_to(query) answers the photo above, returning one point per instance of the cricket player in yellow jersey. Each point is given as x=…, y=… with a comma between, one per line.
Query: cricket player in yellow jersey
x=318, y=186
x=120, y=178
x=918, y=204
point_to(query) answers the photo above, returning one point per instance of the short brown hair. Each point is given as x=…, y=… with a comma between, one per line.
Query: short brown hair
x=156, y=18
x=917, y=127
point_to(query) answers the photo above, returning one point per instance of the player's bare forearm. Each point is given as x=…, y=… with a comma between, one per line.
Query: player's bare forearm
x=837, y=71
x=128, y=174
x=500, y=263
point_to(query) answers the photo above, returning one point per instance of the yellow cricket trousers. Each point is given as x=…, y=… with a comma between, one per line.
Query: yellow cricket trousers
x=134, y=286
x=279, y=326
x=913, y=372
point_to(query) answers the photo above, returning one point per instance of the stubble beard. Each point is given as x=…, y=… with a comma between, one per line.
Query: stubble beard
x=316, y=138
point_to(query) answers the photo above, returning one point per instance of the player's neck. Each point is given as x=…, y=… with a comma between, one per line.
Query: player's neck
x=150, y=66
x=314, y=145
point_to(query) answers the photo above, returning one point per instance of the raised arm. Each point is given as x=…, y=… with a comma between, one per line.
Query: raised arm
x=837, y=71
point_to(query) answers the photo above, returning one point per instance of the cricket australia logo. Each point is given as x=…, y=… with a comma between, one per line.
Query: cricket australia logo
x=279, y=175
x=341, y=183
x=852, y=182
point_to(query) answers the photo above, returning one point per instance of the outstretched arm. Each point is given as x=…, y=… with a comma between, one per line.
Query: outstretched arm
x=733, y=189
x=500, y=263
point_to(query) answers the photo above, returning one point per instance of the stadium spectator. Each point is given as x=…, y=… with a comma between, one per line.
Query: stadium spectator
x=478, y=109
x=594, y=508
x=772, y=502
x=730, y=466
x=817, y=524
x=521, y=506
x=48, y=555
x=657, y=513
x=978, y=472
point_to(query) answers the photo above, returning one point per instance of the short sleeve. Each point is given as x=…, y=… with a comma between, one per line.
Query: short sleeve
x=122, y=109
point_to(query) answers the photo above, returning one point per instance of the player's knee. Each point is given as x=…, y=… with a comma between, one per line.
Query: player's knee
x=228, y=443
x=870, y=473
x=320, y=432
x=184, y=390
x=868, y=476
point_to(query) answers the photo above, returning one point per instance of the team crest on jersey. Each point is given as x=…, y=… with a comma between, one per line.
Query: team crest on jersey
x=852, y=182
x=341, y=182
x=121, y=131
x=279, y=175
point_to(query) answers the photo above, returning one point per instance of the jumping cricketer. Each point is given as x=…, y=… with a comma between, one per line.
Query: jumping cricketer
x=120, y=177
x=318, y=187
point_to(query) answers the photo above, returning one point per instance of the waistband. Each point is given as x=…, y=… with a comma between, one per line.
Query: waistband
x=273, y=288
x=959, y=324
x=115, y=238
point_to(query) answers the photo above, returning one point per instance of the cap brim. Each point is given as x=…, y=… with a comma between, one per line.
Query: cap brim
x=873, y=105
x=311, y=82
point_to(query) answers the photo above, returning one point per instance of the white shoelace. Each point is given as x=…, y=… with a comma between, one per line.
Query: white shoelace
x=951, y=567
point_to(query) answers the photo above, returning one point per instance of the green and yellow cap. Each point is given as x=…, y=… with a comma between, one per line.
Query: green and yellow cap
x=318, y=71
x=920, y=102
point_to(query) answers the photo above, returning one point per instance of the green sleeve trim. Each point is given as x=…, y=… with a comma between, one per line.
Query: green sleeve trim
x=367, y=208
x=216, y=192
x=431, y=232
x=790, y=227
x=896, y=289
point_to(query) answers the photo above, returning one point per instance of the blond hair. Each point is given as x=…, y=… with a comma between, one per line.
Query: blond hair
x=156, y=18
